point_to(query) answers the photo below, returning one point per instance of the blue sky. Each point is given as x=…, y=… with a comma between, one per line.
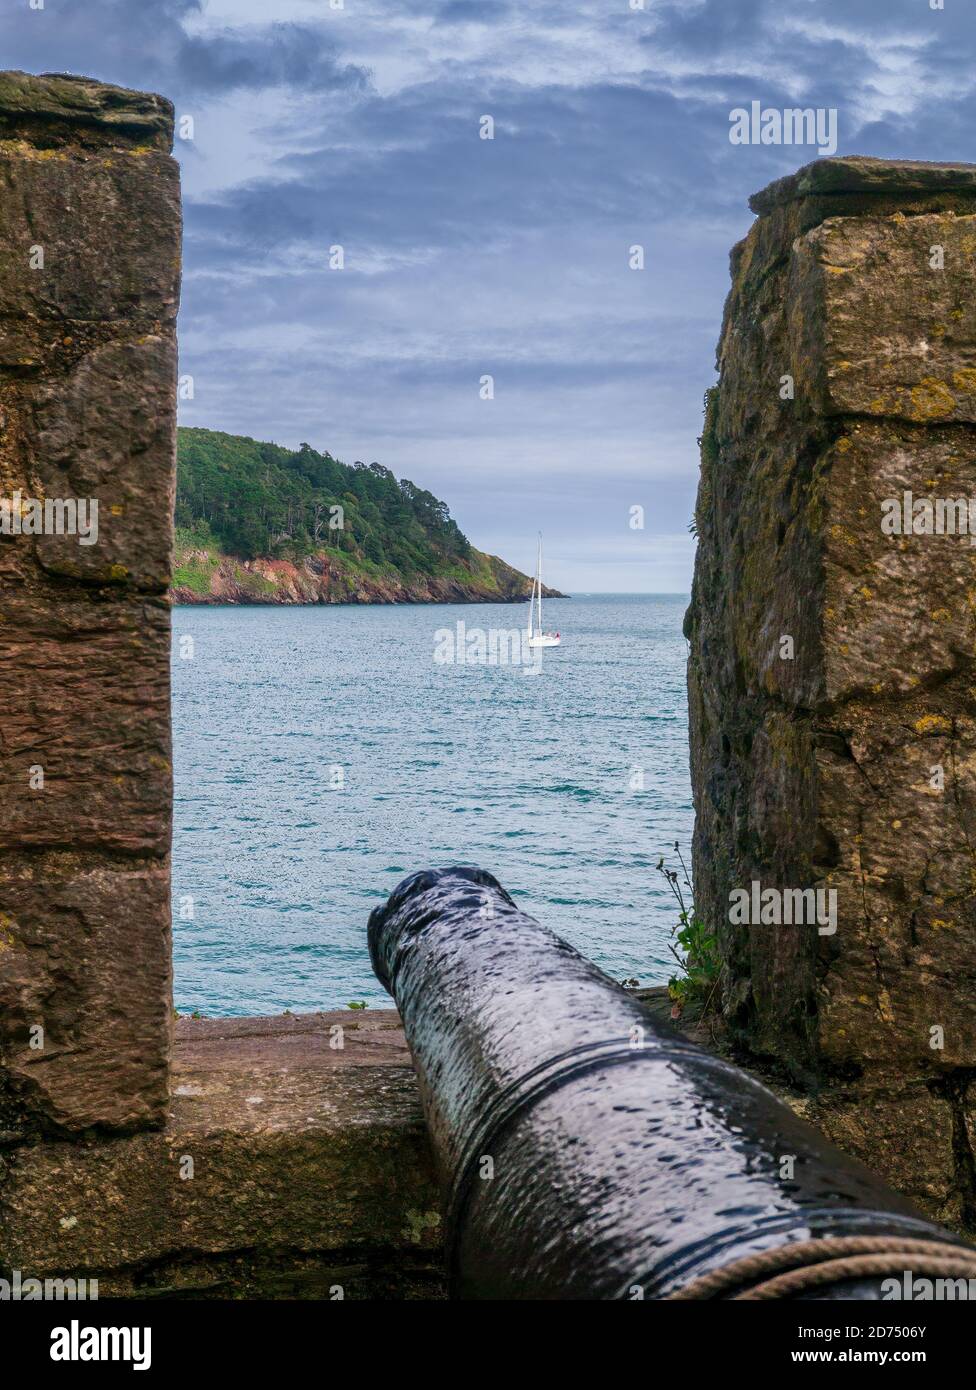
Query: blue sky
x=359, y=126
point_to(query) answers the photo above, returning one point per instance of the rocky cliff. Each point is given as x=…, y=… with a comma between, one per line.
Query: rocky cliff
x=208, y=576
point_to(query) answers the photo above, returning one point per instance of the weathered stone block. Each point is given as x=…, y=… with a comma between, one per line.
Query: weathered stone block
x=74, y=248
x=907, y=1131
x=85, y=687
x=85, y=989
x=107, y=431
x=899, y=332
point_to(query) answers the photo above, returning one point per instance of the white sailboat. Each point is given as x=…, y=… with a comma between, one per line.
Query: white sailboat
x=534, y=633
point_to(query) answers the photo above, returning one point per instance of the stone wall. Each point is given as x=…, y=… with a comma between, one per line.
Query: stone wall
x=288, y=1167
x=256, y=1157
x=831, y=675
x=89, y=279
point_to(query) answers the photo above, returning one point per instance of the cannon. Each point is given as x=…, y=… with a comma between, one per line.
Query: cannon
x=587, y=1152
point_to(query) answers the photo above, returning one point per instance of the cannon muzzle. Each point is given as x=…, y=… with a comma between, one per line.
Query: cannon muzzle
x=586, y=1152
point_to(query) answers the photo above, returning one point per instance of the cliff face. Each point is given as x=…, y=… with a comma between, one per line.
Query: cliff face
x=206, y=576
x=831, y=676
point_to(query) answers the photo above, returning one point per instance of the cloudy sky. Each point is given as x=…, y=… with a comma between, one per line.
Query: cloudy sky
x=357, y=123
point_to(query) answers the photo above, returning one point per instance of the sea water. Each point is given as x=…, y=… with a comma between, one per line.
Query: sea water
x=322, y=754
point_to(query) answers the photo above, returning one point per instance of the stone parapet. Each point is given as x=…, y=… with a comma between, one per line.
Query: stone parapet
x=293, y=1163
x=832, y=674
x=89, y=285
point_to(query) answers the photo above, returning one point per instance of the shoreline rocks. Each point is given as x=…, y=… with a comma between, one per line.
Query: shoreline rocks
x=204, y=578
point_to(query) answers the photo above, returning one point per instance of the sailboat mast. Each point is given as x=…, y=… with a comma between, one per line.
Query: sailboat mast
x=538, y=580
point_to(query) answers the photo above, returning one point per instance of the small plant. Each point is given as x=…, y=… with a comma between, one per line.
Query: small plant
x=697, y=949
x=356, y=1004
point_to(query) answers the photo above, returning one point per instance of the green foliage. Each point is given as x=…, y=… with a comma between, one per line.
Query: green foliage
x=198, y=554
x=708, y=440
x=697, y=948
x=251, y=500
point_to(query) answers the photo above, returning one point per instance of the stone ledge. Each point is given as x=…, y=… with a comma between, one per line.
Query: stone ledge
x=66, y=108
x=310, y=1168
x=860, y=174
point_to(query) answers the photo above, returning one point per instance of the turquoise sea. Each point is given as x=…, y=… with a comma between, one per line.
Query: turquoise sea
x=321, y=754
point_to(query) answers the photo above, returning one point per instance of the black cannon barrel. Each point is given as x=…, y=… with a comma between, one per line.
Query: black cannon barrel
x=587, y=1152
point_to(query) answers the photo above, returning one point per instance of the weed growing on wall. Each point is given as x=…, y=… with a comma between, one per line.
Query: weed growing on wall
x=693, y=946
